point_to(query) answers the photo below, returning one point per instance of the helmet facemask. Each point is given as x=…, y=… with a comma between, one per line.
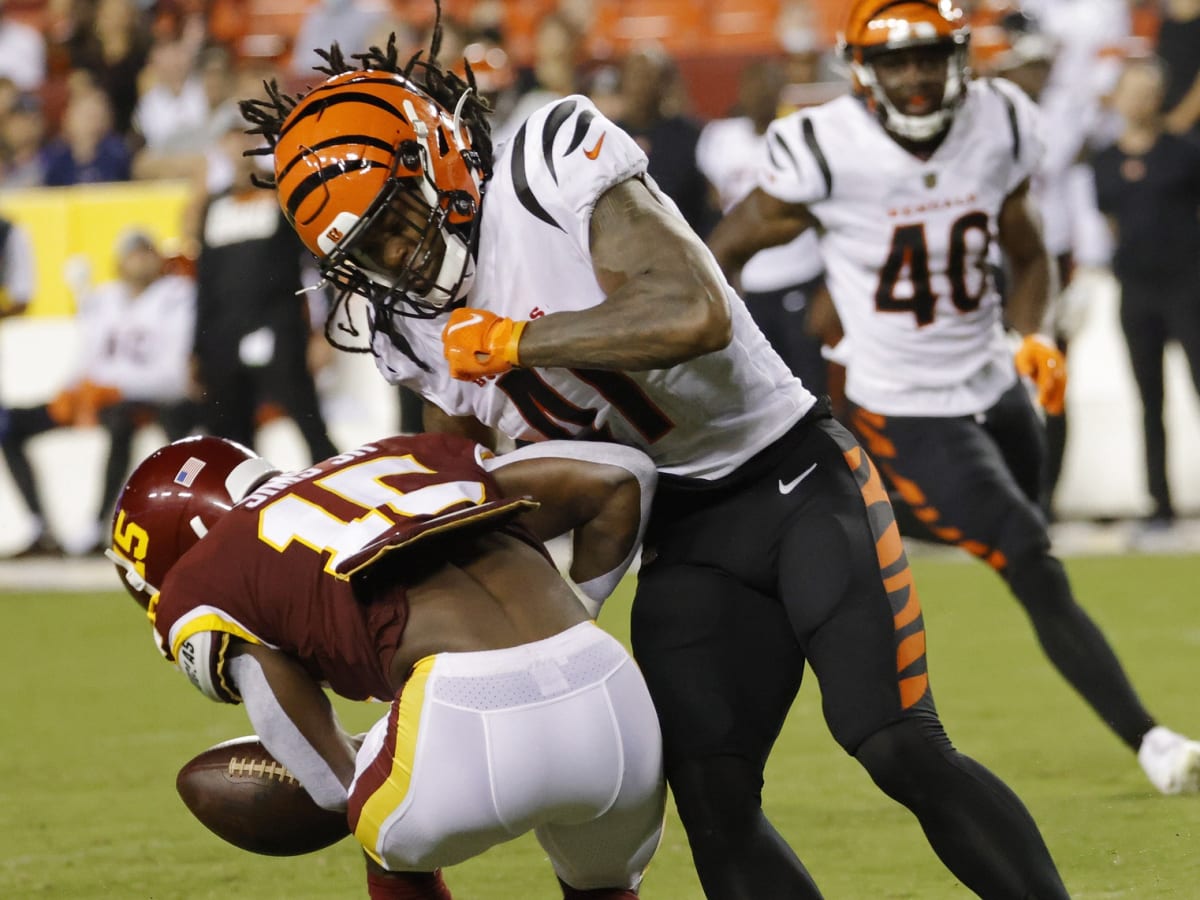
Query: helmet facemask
x=439, y=223
x=436, y=272
x=915, y=127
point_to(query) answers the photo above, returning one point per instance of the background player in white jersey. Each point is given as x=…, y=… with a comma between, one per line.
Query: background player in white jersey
x=411, y=571
x=777, y=283
x=133, y=370
x=910, y=181
x=591, y=310
x=1065, y=72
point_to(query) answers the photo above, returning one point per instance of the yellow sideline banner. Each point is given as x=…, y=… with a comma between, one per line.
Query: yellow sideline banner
x=87, y=220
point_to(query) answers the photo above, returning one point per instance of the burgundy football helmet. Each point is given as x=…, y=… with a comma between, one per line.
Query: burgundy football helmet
x=171, y=501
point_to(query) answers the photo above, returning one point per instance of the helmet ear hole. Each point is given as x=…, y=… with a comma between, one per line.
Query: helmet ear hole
x=462, y=207
x=408, y=155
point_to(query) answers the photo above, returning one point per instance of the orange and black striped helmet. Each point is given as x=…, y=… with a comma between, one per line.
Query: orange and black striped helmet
x=353, y=148
x=874, y=27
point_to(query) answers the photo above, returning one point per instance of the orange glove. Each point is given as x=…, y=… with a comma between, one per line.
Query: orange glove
x=80, y=405
x=1039, y=360
x=476, y=342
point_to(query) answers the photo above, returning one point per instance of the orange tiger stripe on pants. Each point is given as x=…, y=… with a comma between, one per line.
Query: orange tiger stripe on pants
x=870, y=427
x=897, y=580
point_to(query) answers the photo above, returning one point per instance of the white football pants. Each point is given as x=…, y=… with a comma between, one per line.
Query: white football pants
x=558, y=736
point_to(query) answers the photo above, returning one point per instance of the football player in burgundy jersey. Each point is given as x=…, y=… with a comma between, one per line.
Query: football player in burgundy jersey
x=911, y=180
x=410, y=570
x=570, y=300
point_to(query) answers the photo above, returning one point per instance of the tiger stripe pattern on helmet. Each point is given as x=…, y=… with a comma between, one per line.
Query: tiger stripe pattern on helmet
x=340, y=145
x=375, y=135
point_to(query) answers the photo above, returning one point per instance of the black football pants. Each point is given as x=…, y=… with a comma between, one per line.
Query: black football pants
x=796, y=558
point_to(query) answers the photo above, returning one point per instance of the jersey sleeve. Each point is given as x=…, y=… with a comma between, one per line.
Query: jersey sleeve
x=203, y=656
x=1025, y=131
x=19, y=275
x=796, y=170
x=708, y=152
x=564, y=157
x=196, y=634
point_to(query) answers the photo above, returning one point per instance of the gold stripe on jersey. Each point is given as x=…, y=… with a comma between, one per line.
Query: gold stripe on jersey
x=388, y=797
x=226, y=686
x=210, y=622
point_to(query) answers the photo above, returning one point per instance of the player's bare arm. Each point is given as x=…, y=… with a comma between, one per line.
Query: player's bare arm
x=665, y=299
x=601, y=504
x=1033, y=279
x=434, y=418
x=1032, y=269
x=757, y=222
x=823, y=320
x=1186, y=113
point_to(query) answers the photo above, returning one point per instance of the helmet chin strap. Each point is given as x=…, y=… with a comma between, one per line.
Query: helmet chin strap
x=454, y=278
x=457, y=273
x=135, y=578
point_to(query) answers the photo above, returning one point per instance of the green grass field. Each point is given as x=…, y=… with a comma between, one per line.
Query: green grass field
x=96, y=725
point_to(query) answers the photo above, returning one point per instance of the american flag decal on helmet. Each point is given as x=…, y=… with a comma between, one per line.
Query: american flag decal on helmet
x=188, y=471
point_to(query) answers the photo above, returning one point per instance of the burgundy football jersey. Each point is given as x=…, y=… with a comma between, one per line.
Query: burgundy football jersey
x=278, y=569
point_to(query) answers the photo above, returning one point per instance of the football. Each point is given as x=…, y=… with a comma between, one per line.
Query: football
x=242, y=794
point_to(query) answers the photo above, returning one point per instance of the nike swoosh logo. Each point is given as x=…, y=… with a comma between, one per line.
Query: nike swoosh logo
x=595, y=151
x=475, y=319
x=788, y=487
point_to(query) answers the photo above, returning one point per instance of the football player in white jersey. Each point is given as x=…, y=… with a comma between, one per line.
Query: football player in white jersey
x=778, y=283
x=909, y=181
x=572, y=301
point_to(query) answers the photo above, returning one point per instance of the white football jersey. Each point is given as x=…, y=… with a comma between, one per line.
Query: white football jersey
x=701, y=419
x=730, y=153
x=906, y=242
x=140, y=344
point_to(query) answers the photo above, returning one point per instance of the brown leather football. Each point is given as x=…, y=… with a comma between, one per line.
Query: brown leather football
x=242, y=794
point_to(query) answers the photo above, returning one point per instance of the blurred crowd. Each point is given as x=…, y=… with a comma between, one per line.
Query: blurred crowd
x=95, y=91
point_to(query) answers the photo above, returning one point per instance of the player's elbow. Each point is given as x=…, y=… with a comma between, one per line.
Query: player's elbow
x=621, y=518
x=693, y=330
x=704, y=319
x=711, y=324
x=607, y=539
x=730, y=258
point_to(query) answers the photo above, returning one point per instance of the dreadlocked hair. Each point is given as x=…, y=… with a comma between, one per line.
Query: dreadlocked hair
x=453, y=93
x=443, y=86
